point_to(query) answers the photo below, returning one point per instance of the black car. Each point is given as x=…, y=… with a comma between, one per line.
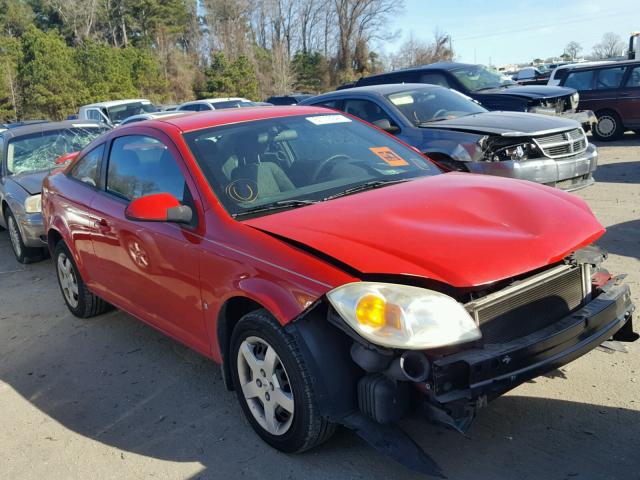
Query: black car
x=612, y=91
x=459, y=134
x=493, y=90
x=292, y=99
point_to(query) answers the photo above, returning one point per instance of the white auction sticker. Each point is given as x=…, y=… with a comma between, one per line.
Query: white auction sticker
x=328, y=119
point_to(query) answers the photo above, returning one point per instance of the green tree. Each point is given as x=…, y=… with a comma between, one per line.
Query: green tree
x=49, y=79
x=311, y=71
x=10, y=95
x=145, y=73
x=15, y=17
x=224, y=78
x=105, y=71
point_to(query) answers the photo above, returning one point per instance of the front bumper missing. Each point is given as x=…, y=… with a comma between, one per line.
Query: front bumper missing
x=478, y=375
x=586, y=118
x=570, y=173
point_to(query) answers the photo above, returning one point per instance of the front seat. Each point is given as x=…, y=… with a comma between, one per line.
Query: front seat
x=268, y=176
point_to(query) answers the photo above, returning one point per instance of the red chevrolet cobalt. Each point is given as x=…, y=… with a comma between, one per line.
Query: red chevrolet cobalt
x=336, y=274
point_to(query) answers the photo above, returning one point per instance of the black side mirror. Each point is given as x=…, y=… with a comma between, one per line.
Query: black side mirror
x=181, y=214
x=384, y=124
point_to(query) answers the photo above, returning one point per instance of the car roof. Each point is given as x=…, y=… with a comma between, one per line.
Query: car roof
x=216, y=100
x=382, y=89
x=215, y=118
x=115, y=103
x=48, y=126
x=612, y=63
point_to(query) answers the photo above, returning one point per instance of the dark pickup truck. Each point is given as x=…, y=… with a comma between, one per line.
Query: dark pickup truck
x=491, y=89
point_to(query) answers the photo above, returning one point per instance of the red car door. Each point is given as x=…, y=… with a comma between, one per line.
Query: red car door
x=150, y=269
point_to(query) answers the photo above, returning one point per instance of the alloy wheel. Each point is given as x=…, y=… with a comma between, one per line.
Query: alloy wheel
x=14, y=235
x=68, y=281
x=265, y=385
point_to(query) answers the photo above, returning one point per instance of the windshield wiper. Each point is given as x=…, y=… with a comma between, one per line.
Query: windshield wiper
x=365, y=186
x=280, y=205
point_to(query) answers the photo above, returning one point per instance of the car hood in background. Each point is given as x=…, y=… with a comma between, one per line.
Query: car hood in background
x=530, y=91
x=31, y=182
x=499, y=123
x=461, y=229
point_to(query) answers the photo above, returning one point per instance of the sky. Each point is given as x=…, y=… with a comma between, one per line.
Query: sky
x=501, y=32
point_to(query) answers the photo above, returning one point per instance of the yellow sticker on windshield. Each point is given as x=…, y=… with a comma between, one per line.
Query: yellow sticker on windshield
x=389, y=156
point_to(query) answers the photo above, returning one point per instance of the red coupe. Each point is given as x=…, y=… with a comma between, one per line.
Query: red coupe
x=336, y=274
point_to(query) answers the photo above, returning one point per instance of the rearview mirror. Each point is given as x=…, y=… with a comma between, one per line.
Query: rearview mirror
x=385, y=125
x=158, y=207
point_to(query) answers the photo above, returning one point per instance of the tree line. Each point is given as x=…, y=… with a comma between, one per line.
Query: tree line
x=56, y=55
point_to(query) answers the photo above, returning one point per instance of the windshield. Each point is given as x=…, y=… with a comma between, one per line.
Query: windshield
x=478, y=77
x=298, y=160
x=120, y=112
x=38, y=151
x=422, y=106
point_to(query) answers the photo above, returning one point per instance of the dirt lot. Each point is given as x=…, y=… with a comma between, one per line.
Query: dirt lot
x=112, y=398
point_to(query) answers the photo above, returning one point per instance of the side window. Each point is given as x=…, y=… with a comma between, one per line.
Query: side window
x=203, y=107
x=190, y=108
x=335, y=104
x=93, y=114
x=580, y=80
x=435, y=79
x=366, y=110
x=87, y=169
x=609, y=78
x=632, y=82
x=141, y=165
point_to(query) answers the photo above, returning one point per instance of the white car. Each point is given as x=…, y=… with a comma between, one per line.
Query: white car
x=216, y=104
x=151, y=116
x=560, y=72
x=115, y=111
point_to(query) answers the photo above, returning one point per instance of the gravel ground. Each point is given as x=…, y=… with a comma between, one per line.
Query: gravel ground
x=113, y=398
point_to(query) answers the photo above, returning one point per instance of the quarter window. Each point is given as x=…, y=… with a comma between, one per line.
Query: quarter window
x=366, y=110
x=94, y=114
x=141, y=165
x=87, y=169
x=435, y=79
x=609, y=78
x=634, y=78
x=580, y=80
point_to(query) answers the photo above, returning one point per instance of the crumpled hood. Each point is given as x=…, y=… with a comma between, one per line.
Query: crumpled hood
x=531, y=91
x=461, y=229
x=31, y=182
x=498, y=123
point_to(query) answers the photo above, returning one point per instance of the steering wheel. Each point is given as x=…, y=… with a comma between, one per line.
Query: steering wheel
x=324, y=163
x=442, y=110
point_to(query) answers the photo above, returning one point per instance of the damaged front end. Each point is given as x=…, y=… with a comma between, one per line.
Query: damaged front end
x=559, y=158
x=528, y=326
x=565, y=107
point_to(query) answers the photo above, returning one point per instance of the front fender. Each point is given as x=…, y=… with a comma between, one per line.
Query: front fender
x=13, y=198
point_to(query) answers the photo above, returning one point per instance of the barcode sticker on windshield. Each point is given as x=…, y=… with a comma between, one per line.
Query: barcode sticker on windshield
x=389, y=156
x=328, y=119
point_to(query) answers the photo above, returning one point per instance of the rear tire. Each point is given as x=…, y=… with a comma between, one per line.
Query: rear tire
x=609, y=126
x=23, y=253
x=80, y=301
x=269, y=376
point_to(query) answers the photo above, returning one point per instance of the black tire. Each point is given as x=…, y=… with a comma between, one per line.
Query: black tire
x=308, y=428
x=609, y=126
x=23, y=253
x=86, y=303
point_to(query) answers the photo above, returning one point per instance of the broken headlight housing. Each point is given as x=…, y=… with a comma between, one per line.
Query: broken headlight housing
x=402, y=316
x=519, y=152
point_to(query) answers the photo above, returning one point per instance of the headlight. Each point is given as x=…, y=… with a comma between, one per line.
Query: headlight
x=401, y=316
x=575, y=98
x=33, y=204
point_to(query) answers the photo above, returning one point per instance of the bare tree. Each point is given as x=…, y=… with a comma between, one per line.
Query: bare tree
x=573, y=49
x=610, y=46
x=414, y=52
x=77, y=15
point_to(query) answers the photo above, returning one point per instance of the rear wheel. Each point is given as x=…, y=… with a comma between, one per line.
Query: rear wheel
x=609, y=126
x=23, y=253
x=80, y=301
x=273, y=385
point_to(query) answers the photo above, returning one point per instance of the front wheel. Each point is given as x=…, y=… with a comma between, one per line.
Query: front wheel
x=609, y=126
x=274, y=386
x=23, y=253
